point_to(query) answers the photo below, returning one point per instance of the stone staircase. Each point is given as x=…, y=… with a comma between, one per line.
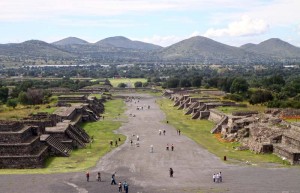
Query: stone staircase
x=218, y=127
x=80, y=133
x=190, y=108
x=197, y=113
x=73, y=136
x=57, y=145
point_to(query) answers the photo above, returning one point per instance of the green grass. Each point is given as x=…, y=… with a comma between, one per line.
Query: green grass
x=116, y=81
x=199, y=131
x=21, y=111
x=230, y=110
x=82, y=159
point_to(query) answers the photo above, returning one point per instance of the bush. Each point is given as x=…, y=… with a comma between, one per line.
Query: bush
x=234, y=97
x=12, y=103
x=122, y=85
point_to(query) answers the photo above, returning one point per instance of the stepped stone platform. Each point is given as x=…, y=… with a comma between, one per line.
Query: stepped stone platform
x=29, y=142
x=259, y=132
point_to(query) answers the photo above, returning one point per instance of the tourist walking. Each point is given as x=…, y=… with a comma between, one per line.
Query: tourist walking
x=120, y=186
x=214, y=178
x=220, y=177
x=131, y=142
x=99, y=177
x=87, y=176
x=164, y=132
x=137, y=138
x=172, y=147
x=113, y=181
x=217, y=178
x=125, y=186
x=179, y=131
x=171, y=172
x=167, y=148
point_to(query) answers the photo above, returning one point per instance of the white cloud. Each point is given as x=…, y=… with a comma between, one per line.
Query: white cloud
x=16, y=10
x=244, y=27
x=298, y=29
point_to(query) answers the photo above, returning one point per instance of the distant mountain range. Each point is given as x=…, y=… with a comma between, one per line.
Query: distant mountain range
x=121, y=49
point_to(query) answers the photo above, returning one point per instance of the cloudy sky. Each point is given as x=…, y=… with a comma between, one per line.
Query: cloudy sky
x=162, y=22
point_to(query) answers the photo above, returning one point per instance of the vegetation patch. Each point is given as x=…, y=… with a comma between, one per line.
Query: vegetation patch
x=199, y=131
x=129, y=81
x=82, y=159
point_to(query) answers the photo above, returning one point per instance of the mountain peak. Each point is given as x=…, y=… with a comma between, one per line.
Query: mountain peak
x=70, y=41
x=275, y=47
x=123, y=42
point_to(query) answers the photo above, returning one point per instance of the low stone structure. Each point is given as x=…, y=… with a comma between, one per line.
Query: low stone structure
x=259, y=132
x=27, y=143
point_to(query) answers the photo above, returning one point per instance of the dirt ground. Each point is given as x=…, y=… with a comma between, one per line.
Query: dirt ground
x=148, y=172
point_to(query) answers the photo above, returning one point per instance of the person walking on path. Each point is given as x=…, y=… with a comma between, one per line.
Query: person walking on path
x=217, y=178
x=179, y=131
x=120, y=186
x=113, y=181
x=164, y=132
x=167, y=148
x=99, y=177
x=137, y=138
x=171, y=172
x=172, y=147
x=131, y=142
x=220, y=177
x=214, y=178
x=87, y=176
x=125, y=186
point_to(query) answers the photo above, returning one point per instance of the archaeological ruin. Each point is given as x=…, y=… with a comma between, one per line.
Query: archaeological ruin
x=27, y=143
x=260, y=132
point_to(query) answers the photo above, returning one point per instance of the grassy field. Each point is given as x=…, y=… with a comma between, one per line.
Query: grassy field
x=82, y=159
x=230, y=110
x=199, y=131
x=116, y=81
x=21, y=111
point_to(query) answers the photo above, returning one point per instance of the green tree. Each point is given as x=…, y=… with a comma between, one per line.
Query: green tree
x=260, y=96
x=138, y=84
x=122, y=85
x=172, y=83
x=196, y=81
x=22, y=98
x=12, y=103
x=239, y=85
x=185, y=83
x=3, y=94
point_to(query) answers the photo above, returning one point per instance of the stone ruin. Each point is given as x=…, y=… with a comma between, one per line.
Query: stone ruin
x=259, y=132
x=27, y=143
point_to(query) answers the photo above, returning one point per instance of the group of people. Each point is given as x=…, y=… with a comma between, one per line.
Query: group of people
x=172, y=147
x=124, y=185
x=160, y=132
x=217, y=177
x=88, y=176
x=121, y=186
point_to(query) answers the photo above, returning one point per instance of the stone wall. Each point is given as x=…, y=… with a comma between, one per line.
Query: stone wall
x=15, y=137
x=34, y=161
x=291, y=141
x=20, y=148
x=7, y=126
x=215, y=115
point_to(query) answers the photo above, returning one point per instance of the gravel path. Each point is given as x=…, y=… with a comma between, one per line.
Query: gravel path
x=149, y=172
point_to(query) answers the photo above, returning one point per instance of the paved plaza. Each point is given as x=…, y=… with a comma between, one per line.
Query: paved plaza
x=148, y=172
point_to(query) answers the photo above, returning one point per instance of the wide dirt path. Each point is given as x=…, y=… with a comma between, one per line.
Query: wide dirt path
x=149, y=172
